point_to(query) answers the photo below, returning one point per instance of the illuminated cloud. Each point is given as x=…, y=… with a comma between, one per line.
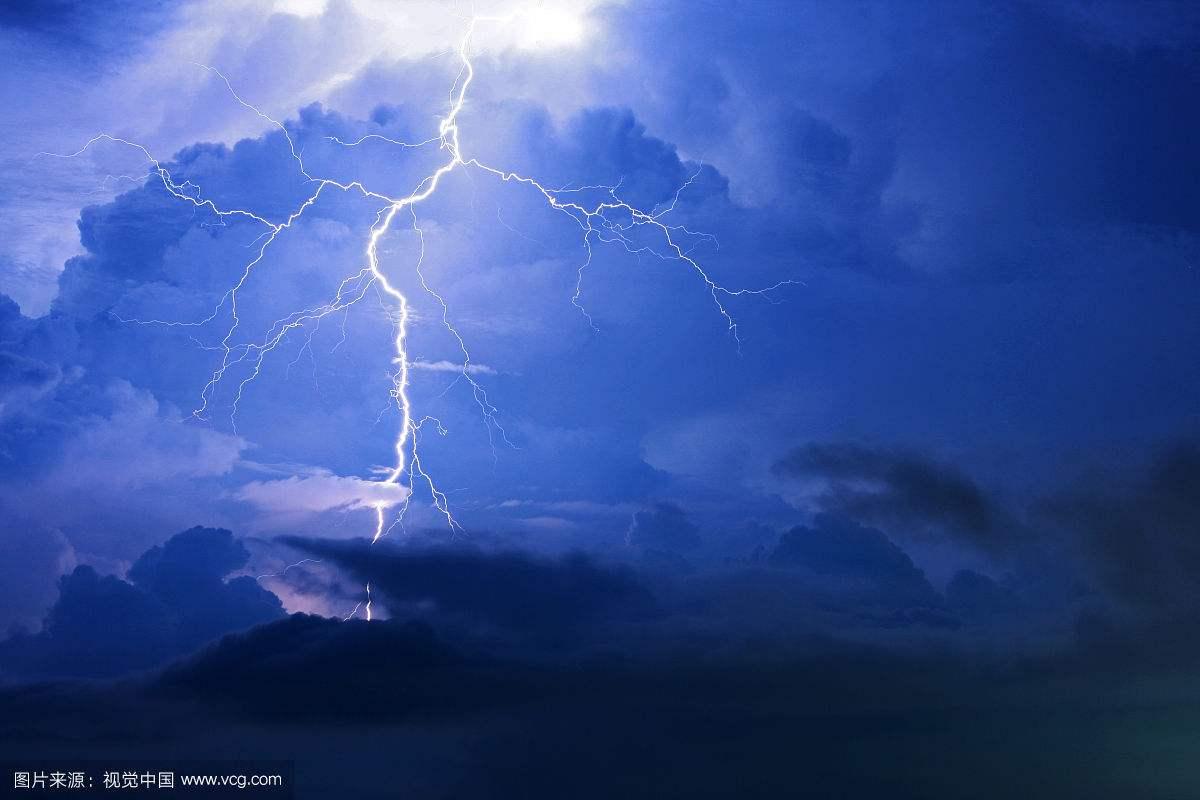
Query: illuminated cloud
x=319, y=492
x=142, y=442
x=450, y=366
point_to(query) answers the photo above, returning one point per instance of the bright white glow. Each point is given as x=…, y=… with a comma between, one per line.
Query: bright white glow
x=300, y=8
x=545, y=28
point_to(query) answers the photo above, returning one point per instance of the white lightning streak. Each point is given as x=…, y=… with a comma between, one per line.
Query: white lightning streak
x=286, y=569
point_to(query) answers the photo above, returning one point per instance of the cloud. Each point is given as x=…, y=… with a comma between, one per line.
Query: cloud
x=23, y=381
x=979, y=597
x=32, y=559
x=318, y=668
x=73, y=458
x=176, y=599
x=343, y=697
x=1139, y=534
x=319, y=492
x=553, y=601
x=99, y=626
x=145, y=252
x=663, y=526
x=147, y=255
x=450, y=366
x=844, y=160
x=892, y=488
x=857, y=556
x=81, y=22
x=187, y=573
x=142, y=442
x=573, y=506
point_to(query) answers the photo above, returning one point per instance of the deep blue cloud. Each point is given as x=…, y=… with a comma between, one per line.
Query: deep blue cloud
x=663, y=526
x=1140, y=536
x=553, y=601
x=81, y=28
x=978, y=596
x=892, y=488
x=176, y=599
x=844, y=550
x=398, y=670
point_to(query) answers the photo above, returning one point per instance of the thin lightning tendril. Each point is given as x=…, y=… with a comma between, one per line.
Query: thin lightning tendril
x=288, y=568
x=609, y=221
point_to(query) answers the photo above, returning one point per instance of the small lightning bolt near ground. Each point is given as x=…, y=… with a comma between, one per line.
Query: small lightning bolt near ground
x=610, y=220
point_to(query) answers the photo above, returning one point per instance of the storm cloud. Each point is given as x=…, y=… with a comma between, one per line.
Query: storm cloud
x=555, y=601
x=177, y=598
x=892, y=488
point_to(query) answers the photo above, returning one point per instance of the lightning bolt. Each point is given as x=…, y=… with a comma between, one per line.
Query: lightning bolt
x=288, y=568
x=608, y=220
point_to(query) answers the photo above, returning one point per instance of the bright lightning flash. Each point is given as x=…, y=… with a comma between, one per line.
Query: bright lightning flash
x=610, y=220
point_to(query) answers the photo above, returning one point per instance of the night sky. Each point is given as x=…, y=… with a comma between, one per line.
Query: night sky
x=907, y=506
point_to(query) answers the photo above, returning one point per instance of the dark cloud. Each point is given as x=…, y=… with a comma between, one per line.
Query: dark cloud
x=100, y=625
x=349, y=671
x=345, y=699
x=1142, y=535
x=843, y=550
x=551, y=600
x=196, y=556
x=977, y=596
x=82, y=27
x=187, y=573
x=32, y=559
x=603, y=142
x=893, y=488
x=10, y=315
x=178, y=599
x=663, y=526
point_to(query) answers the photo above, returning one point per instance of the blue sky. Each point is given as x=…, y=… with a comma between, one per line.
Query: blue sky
x=988, y=214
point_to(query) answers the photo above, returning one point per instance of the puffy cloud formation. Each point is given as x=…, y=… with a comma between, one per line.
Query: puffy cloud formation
x=842, y=182
x=140, y=443
x=148, y=256
x=177, y=598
